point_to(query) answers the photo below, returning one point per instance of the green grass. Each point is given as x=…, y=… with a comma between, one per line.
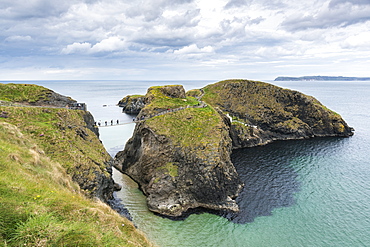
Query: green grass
x=160, y=101
x=170, y=168
x=62, y=134
x=271, y=107
x=136, y=96
x=194, y=93
x=22, y=92
x=41, y=206
x=191, y=127
x=256, y=99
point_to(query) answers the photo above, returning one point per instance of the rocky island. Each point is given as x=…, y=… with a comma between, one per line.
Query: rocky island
x=322, y=78
x=180, y=150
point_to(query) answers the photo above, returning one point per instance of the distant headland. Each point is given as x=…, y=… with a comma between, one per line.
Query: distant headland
x=322, y=78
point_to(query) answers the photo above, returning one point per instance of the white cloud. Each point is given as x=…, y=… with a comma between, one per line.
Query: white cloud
x=18, y=38
x=193, y=49
x=77, y=48
x=110, y=44
x=162, y=34
x=358, y=41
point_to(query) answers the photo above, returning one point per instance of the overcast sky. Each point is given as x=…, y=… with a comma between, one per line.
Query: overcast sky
x=183, y=39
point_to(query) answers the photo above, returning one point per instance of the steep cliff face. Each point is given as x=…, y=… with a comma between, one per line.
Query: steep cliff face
x=263, y=113
x=67, y=136
x=181, y=160
x=40, y=205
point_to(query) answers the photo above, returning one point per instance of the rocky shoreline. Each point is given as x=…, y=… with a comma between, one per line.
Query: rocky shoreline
x=181, y=159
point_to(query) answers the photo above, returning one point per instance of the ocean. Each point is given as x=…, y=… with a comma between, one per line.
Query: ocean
x=313, y=192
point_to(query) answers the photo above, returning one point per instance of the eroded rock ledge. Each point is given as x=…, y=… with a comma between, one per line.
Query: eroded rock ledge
x=181, y=159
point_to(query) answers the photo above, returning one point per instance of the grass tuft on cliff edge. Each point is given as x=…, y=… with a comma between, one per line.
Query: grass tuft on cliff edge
x=41, y=206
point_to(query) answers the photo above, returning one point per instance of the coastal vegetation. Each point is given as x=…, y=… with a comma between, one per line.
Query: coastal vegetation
x=22, y=92
x=54, y=176
x=63, y=136
x=180, y=154
x=162, y=98
x=191, y=127
x=180, y=151
x=274, y=109
x=40, y=205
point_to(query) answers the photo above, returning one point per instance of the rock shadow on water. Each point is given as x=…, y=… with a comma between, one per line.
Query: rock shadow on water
x=270, y=180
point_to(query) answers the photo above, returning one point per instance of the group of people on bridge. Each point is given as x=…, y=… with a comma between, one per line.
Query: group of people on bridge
x=201, y=104
x=99, y=124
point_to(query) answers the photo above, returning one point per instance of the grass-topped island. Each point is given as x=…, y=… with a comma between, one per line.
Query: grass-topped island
x=180, y=151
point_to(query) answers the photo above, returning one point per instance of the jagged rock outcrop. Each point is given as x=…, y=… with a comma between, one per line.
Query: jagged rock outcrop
x=263, y=113
x=181, y=159
x=55, y=99
x=132, y=104
x=90, y=123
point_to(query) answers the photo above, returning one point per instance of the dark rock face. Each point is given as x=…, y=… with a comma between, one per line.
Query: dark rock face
x=132, y=105
x=95, y=177
x=103, y=187
x=102, y=184
x=176, y=178
x=90, y=123
x=54, y=99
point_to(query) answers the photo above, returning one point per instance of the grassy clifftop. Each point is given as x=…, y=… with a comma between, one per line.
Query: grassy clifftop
x=51, y=165
x=41, y=206
x=181, y=157
x=64, y=137
x=161, y=98
x=192, y=127
x=23, y=92
x=30, y=94
x=282, y=112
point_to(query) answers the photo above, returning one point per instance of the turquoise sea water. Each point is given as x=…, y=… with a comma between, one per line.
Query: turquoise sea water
x=298, y=193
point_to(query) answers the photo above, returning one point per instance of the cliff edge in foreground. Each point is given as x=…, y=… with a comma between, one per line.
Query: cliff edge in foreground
x=180, y=150
x=51, y=165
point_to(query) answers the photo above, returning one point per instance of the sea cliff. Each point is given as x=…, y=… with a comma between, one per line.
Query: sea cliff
x=262, y=113
x=181, y=158
x=55, y=174
x=180, y=151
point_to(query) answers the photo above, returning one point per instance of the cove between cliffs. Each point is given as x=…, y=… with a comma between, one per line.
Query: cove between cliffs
x=180, y=152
